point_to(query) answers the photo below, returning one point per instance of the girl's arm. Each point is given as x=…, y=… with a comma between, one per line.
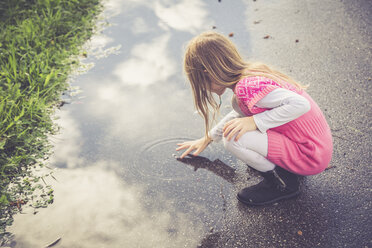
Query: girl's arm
x=217, y=131
x=285, y=106
x=200, y=144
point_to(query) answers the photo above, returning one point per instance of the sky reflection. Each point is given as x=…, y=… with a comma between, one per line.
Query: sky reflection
x=67, y=143
x=138, y=113
x=149, y=63
x=186, y=15
x=104, y=210
x=109, y=191
x=140, y=26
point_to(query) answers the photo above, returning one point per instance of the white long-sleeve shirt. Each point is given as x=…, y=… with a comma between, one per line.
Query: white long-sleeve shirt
x=284, y=105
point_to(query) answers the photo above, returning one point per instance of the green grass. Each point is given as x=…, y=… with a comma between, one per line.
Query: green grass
x=38, y=43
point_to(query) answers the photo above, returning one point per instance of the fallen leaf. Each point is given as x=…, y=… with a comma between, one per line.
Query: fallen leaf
x=299, y=233
x=231, y=34
x=267, y=36
x=18, y=204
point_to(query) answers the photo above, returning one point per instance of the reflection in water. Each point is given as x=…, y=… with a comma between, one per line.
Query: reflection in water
x=110, y=192
x=95, y=208
x=98, y=46
x=187, y=15
x=149, y=64
x=217, y=166
x=140, y=26
x=116, y=7
x=136, y=113
x=156, y=161
x=67, y=145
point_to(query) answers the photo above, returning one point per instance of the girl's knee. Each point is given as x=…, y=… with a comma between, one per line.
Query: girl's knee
x=253, y=140
x=230, y=145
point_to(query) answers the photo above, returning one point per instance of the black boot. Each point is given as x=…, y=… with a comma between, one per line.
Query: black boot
x=278, y=184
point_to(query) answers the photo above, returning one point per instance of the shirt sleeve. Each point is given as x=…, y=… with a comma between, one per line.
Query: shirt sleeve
x=217, y=131
x=285, y=106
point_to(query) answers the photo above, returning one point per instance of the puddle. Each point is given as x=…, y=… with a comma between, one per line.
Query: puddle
x=94, y=206
x=158, y=161
x=119, y=181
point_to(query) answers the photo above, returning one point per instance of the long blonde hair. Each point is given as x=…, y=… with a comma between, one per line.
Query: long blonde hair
x=211, y=57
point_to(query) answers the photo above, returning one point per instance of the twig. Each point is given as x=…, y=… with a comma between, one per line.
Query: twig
x=340, y=137
x=54, y=243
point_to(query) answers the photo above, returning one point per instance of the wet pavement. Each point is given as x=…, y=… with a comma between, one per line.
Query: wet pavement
x=119, y=182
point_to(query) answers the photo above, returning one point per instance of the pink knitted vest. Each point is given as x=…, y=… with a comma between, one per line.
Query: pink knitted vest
x=302, y=146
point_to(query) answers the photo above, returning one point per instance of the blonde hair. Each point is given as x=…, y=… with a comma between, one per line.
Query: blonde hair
x=211, y=57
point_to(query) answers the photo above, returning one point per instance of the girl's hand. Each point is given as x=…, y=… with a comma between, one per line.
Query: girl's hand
x=238, y=126
x=199, y=145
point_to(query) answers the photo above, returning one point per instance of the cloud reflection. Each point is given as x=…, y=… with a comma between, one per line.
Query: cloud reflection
x=149, y=63
x=115, y=7
x=187, y=15
x=93, y=206
x=140, y=26
x=98, y=46
x=139, y=113
x=67, y=143
x=99, y=41
x=106, y=213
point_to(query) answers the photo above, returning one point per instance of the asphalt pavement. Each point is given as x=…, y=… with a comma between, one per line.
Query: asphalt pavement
x=328, y=45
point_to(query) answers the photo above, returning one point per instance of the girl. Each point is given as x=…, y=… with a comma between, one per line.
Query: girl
x=275, y=127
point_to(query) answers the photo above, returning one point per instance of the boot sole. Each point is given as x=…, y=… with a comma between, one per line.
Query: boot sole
x=269, y=202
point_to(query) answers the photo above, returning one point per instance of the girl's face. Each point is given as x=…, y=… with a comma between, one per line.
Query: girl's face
x=218, y=89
